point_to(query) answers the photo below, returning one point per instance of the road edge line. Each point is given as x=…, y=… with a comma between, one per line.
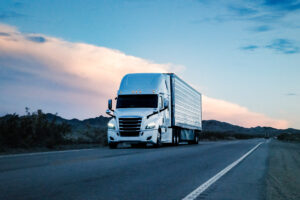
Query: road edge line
x=194, y=194
x=43, y=153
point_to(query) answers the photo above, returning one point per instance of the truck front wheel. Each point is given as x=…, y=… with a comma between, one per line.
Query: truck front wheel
x=158, y=141
x=113, y=145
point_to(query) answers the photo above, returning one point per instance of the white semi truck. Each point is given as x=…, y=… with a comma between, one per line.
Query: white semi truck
x=154, y=108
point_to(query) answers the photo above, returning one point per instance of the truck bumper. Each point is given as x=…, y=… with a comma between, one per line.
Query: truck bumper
x=147, y=136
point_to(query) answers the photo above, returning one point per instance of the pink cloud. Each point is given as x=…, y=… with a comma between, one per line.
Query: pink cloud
x=236, y=114
x=87, y=75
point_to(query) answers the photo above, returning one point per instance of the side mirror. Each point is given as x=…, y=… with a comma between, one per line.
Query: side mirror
x=166, y=103
x=109, y=113
x=109, y=104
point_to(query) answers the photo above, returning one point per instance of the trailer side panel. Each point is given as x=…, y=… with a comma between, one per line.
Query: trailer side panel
x=187, y=109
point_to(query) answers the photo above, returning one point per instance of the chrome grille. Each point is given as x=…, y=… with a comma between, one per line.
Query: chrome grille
x=130, y=126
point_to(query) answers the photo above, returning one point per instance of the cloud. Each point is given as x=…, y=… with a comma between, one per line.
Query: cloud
x=76, y=79
x=236, y=114
x=250, y=47
x=18, y=4
x=283, y=5
x=291, y=94
x=4, y=34
x=10, y=14
x=284, y=46
x=242, y=11
x=267, y=18
x=266, y=7
x=264, y=13
x=262, y=28
x=78, y=73
x=38, y=39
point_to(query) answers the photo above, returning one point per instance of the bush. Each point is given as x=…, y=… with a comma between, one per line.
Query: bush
x=205, y=135
x=31, y=130
x=289, y=137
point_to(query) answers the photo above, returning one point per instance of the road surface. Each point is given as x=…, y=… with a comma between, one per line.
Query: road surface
x=137, y=173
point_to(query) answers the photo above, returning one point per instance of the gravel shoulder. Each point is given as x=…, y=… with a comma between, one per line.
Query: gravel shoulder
x=283, y=174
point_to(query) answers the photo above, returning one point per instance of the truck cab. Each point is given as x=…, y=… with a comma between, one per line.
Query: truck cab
x=143, y=111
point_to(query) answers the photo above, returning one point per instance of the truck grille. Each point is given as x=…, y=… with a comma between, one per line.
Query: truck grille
x=130, y=126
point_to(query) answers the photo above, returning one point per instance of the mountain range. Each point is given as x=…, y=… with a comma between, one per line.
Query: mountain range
x=79, y=126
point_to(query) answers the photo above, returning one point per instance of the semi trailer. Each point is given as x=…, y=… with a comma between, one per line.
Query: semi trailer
x=154, y=108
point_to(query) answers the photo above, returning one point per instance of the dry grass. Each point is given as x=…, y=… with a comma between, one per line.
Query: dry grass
x=283, y=176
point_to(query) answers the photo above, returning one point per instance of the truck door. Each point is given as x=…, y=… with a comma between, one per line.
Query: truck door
x=163, y=116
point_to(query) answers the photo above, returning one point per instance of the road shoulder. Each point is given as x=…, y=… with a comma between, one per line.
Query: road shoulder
x=245, y=181
x=283, y=174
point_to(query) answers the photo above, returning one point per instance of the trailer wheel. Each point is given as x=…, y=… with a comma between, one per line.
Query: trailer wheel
x=196, y=138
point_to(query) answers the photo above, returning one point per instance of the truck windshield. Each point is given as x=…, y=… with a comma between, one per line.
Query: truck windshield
x=137, y=101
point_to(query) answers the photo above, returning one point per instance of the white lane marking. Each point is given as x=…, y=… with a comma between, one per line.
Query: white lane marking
x=193, y=195
x=43, y=153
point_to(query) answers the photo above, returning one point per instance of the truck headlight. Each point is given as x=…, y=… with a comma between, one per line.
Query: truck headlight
x=151, y=125
x=111, y=126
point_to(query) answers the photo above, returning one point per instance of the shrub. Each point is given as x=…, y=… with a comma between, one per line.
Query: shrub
x=289, y=137
x=31, y=130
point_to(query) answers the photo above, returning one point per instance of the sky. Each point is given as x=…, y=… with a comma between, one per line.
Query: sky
x=68, y=57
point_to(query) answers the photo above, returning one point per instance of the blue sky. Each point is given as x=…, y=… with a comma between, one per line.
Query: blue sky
x=243, y=52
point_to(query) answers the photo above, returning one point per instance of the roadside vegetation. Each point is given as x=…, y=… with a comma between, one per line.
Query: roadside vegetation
x=289, y=137
x=208, y=135
x=38, y=130
x=31, y=130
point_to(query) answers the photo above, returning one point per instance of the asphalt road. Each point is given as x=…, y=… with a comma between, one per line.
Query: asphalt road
x=164, y=173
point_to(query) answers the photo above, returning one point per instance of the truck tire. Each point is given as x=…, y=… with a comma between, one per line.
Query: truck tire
x=175, y=137
x=195, y=139
x=158, y=141
x=113, y=145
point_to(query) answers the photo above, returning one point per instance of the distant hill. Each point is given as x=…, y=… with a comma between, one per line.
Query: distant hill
x=79, y=126
x=223, y=127
x=40, y=130
x=99, y=122
x=88, y=130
